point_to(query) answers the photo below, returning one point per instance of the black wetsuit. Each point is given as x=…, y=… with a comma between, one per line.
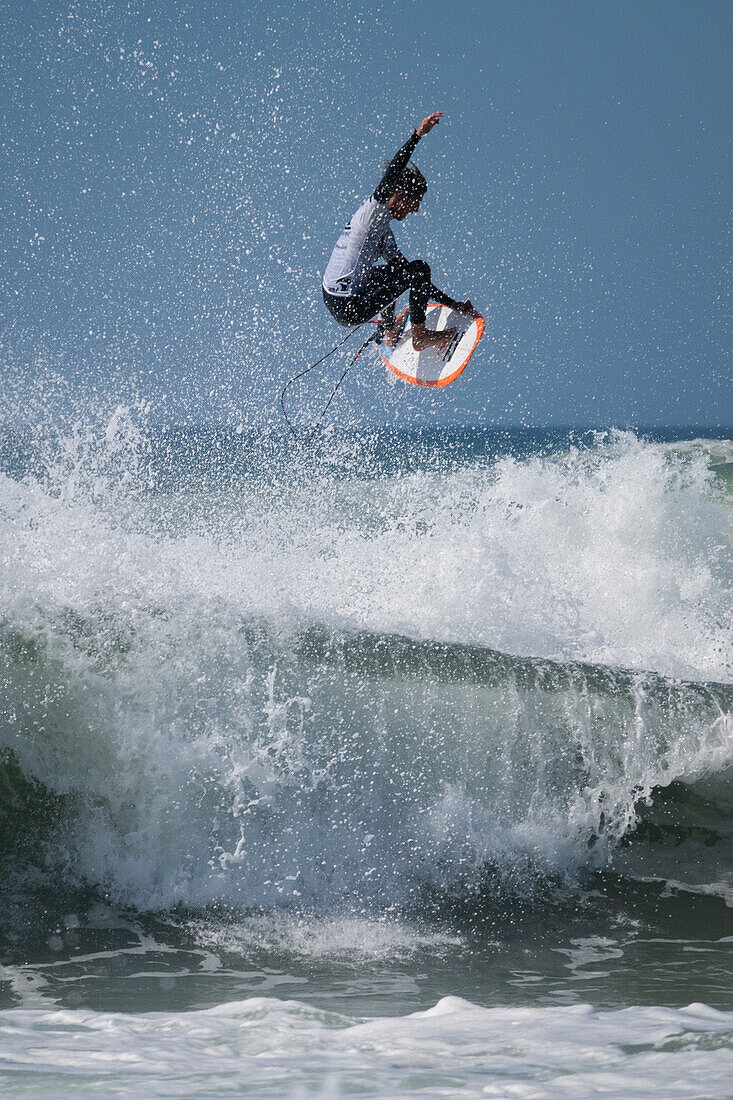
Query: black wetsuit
x=355, y=286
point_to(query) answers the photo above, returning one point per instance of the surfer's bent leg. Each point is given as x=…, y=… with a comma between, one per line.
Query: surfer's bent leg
x=415, y=274
x=421, y=290
x=420, y=285
x=381, y=289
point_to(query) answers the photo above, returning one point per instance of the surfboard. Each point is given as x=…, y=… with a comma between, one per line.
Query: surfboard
x=432, y=367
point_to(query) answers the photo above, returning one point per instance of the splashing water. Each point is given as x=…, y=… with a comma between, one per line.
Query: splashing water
x=355, y=683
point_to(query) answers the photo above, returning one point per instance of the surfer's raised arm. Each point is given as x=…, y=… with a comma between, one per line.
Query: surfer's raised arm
x=391, y=178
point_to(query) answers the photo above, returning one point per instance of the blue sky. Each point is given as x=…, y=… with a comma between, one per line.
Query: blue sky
x=176, y=174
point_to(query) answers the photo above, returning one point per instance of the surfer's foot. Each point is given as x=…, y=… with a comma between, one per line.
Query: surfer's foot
x=391, y=335
x=423, y=338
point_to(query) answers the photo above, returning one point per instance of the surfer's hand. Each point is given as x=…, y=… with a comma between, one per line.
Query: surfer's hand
x=468, y=308
x=427, y=123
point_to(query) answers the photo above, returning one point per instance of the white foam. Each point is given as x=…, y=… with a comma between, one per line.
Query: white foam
x=287, y=1049
x=618, y=556
x=350, y=939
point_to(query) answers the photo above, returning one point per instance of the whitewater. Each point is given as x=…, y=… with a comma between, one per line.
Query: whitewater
x=398, y=765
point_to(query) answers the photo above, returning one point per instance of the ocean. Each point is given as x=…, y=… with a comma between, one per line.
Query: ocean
x=400, y=764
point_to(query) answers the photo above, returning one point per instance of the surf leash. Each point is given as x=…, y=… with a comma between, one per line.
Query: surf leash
x=373, y=337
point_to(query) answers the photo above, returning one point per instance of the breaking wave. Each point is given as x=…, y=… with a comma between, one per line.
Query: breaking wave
x=353, y=683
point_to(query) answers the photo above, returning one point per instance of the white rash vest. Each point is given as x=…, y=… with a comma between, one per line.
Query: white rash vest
x=367, y=237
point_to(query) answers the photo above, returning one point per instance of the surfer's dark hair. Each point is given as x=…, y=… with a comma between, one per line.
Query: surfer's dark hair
x=410, y=181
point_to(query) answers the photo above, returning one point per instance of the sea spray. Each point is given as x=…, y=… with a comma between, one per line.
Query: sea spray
x=317, y=686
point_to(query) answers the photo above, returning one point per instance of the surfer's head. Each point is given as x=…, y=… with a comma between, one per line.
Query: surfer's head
x=409, y=193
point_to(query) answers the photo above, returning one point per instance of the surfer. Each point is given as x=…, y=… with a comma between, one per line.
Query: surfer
x=357, y=288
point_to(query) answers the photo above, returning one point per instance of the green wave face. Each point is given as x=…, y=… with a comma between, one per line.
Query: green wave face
x=328, y=766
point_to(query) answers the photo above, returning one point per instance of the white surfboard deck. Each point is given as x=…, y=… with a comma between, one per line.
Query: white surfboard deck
x=432, y=367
